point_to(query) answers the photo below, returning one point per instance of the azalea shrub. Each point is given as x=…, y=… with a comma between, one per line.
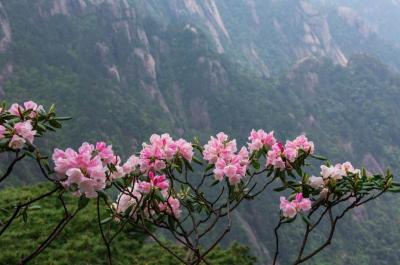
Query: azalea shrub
x=185, y=188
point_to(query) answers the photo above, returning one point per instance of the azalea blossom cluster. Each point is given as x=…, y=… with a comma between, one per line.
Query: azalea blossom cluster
x=162, y=149
x=21, y=132
x=133, y=198
x=222, y=152
x=87, y=171
x=291, y=208
x=332, y=173
x=260, y=139
x=29, y=106
x=329, y=173
x=282, y=156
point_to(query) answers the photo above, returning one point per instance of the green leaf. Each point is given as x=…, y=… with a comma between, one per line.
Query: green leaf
x=4, y=142
x=394, y=190
x=177, y=167
x=106, y=220
x=159, y=196
x=171, y=223
x=188, y=165
x=289, y=220
x=119, y=182
x=305, y=219
x=35, y=207
x=279, y=189
x=55, y=124
x=210, y=166
x=48, y=127
x=197, y=160
x=83, y=202
x=63, y=118
x=25, y=215
x=102, y=194
x=215, y=183
x=52, y=108
x=256, y=164
x=299, y=171
x=319, y=157
x=41, y=127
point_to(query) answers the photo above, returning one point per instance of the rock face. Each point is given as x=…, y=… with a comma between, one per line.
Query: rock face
x=317, y=37
x=275, y=42
x=5, y=29
x=7, y=68
x=215, y=19
x=354, y=19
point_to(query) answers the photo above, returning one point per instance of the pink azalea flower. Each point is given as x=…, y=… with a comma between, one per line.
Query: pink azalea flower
x=16, y=110
x=299, y=197
x=287, y=208
x=172, y=207
x=222, y=152
x=128, y=199
x=159, y=180
x=86, y=168
x=106, y=153
x=131, y=164
x=281, y=156
x=154, y=155
x=219, y=147
x=89, y=187
x=185, y=149
x=274, y=157
x=230, y=171
x=300, y=143
x=25, y=130
x=305, y=204
x=316, y=182
x=30, y=105
x=349, y=169
x=64, y=160
x=16, y=142
x=332, y=172
x=291, y=208
x=119, y=172
x=159, y=165
x=75, y=176
x=143, y=187
x=2, y=131
x=260, y=139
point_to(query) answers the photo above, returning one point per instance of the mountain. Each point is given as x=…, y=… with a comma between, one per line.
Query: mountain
x=124, y=69
x=382, y=17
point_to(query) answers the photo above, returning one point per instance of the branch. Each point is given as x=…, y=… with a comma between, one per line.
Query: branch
x=106, y=243
x=57, y=230
x=11, y=166
x=20, y=206
x=333, y=222
x=277, y=240
x=159, y=242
